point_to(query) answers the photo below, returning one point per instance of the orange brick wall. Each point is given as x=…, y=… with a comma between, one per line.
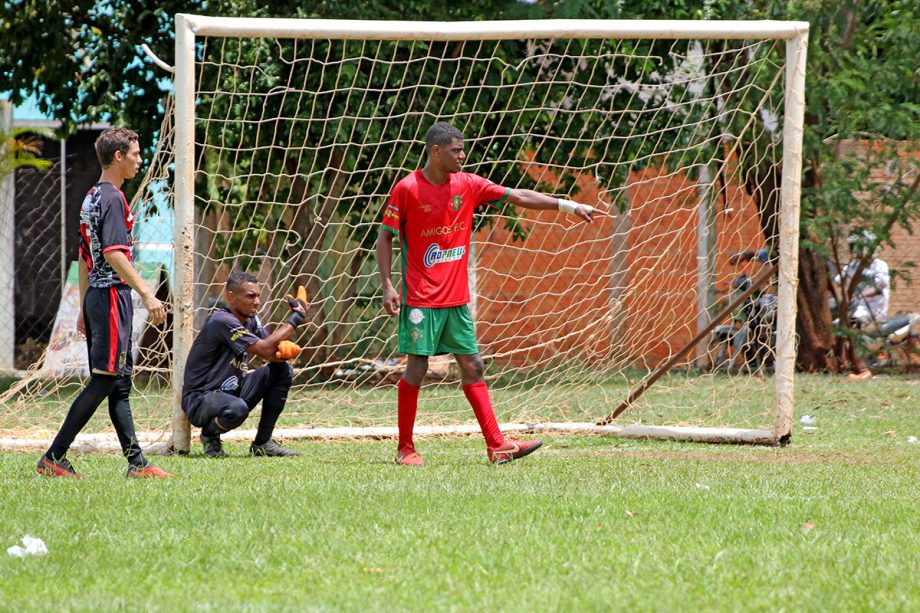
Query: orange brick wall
x=623, y=287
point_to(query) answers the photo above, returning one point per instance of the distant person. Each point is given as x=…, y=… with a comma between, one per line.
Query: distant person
x=869, y=300
x=221, y=388
x=106, y=278
x=431, y=209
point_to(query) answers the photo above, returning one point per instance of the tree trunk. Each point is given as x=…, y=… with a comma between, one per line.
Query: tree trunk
x=813, y=323
x=815, y=330
x=304, y=265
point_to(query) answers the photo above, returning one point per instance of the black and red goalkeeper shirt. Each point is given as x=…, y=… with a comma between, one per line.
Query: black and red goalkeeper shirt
x=105, y=225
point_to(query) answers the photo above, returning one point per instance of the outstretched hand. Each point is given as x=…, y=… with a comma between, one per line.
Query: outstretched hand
x=588, y=212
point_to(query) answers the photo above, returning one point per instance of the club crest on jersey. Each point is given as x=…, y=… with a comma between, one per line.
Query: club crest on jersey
x=435, y=255
x=456, y=202
x=416, y=316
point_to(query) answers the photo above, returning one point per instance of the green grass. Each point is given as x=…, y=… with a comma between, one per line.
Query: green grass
x=679, y=398
x=831, y=522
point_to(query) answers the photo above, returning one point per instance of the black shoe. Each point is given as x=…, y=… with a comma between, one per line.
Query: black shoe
x=50, y=467
x=213, y=448
x=272, y=449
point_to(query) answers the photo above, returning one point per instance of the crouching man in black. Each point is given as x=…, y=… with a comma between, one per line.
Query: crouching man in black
x=219, y=389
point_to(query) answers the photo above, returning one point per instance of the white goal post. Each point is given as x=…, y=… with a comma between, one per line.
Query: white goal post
x=192, y=119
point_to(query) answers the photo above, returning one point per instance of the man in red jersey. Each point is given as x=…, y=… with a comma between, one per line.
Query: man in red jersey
x=107, y=277
x=432, y=211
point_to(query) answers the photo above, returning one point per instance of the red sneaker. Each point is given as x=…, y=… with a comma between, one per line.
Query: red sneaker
x=408, y=457
x=147, y=472
x=56, y=468
x=513, y=449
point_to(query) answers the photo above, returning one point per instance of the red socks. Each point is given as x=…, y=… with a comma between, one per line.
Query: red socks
x=478, y=395
x=407, y=407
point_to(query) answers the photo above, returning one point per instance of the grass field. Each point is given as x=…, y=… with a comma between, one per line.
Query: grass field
x=678, y=398
x=831, y=522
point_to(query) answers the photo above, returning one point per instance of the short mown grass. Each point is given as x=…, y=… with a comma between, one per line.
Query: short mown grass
x=831, y=522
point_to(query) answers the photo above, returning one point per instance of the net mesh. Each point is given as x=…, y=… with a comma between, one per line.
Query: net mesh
x=299, y=142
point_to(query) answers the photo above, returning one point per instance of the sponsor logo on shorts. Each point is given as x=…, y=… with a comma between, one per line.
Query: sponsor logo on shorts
x=414, y=334
x=416, y=316
x=435, y=255
x=230, y=384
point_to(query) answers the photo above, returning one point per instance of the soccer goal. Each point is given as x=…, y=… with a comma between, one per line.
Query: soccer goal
x=289, y=135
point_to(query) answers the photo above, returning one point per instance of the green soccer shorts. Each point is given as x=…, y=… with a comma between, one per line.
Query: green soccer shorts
x=430, y=331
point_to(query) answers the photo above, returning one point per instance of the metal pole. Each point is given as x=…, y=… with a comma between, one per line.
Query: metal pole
x=63, y=215
x=705, y=258
x=7, y=256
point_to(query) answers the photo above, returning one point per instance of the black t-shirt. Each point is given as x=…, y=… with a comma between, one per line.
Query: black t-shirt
x=105, y=225
x=218, y=356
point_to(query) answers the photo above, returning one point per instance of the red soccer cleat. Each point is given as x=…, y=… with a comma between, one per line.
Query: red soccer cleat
x=513, y=449
x=56, y=468
x=147, y=472
x=408, y=457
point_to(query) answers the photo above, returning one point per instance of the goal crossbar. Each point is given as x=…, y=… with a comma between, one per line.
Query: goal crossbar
x=346, y=29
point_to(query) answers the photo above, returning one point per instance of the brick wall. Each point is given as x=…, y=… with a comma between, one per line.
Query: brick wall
x=905, y=292
x=624, y=287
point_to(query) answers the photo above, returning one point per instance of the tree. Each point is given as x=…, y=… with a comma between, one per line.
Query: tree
x=861, y=84
x=83, y=59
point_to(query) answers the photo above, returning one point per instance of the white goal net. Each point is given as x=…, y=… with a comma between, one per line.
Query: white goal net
x=289, y=135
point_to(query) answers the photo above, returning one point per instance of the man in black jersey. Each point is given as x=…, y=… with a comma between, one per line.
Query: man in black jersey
x=106, y=279
x=220, y=389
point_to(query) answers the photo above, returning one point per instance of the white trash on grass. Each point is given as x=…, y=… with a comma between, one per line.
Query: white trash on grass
x=31, y=546
x=912, y=440
x=807, y=419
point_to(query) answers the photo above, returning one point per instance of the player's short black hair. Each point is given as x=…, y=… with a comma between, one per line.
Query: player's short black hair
x=237, y=278
x=441, y=133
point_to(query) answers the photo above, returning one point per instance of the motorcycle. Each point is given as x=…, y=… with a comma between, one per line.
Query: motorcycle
x=895, y=340
x=748, y=342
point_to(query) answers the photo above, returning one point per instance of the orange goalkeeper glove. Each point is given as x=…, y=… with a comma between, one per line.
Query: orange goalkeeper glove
x=297, y=317
x=287, y=350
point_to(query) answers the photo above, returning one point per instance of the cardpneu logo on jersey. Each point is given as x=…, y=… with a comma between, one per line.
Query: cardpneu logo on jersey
x=434, y=255
x=456, y=202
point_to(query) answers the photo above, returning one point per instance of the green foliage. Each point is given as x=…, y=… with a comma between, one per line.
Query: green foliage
x=20, y=148
x=83, y=60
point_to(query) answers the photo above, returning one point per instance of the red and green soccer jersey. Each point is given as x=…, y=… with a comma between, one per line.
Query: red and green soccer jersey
x=435, y=223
